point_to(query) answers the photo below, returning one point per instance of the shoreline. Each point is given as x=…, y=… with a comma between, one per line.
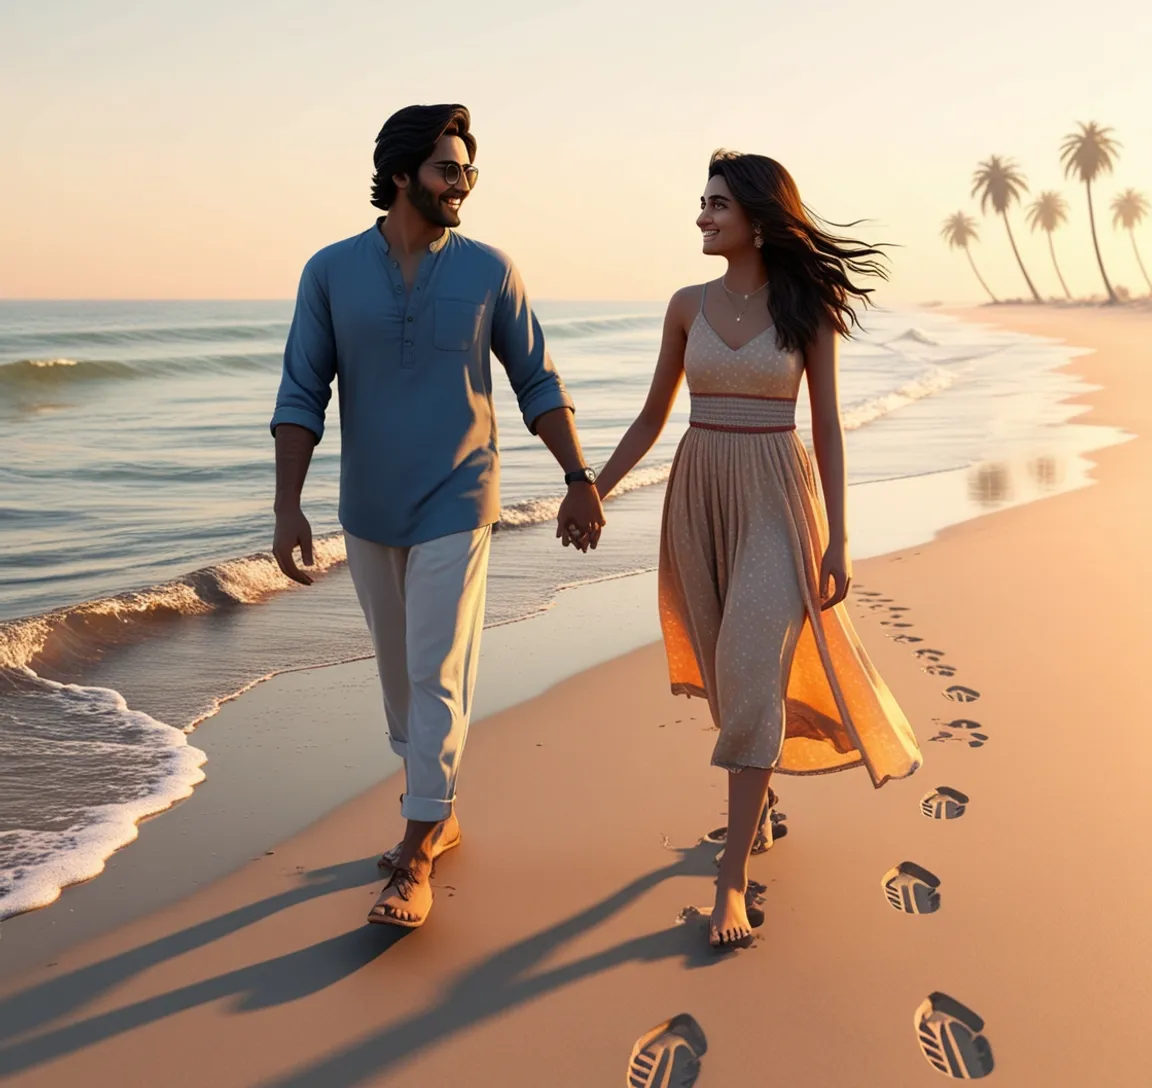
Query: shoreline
x=614, y=773
x=250, y=763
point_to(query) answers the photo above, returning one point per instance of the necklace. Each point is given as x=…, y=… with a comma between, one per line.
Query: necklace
x=732, y=296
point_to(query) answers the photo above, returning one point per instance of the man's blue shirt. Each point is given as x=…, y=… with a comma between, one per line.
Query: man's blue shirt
x=419, y=455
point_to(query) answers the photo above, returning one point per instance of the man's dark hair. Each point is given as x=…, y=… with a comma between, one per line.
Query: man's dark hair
x=408, y=137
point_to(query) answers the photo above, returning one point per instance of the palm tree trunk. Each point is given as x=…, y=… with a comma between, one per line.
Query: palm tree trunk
x=1027, y=279
x=1096, y=242
x=978, y=276
x=1056, y=265
x=1136, y=250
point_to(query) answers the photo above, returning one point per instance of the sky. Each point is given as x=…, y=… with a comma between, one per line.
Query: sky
x=153, y=149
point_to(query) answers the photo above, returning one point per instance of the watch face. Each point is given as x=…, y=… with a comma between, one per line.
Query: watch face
x=590, y=475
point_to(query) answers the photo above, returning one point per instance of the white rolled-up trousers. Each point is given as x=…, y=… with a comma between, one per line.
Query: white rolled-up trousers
x=425, y=610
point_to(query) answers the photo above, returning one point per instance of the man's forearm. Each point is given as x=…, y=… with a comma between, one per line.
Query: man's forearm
x=294, y=446
x=557, y=430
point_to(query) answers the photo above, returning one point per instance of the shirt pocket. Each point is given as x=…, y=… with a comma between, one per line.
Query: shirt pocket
x=457, y=324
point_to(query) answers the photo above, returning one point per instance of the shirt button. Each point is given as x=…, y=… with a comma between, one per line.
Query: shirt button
x=398, y=289
x=407, y=343
x=409, y=317
x=395, y=264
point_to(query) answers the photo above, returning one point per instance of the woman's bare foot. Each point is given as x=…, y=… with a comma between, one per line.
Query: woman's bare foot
x=406, y=898
x=729, y=923
x=446, y=836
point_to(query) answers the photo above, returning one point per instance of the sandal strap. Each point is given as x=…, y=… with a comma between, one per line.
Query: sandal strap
x=404, y=880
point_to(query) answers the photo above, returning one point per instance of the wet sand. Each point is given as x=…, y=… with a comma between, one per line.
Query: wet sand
x=554, y=942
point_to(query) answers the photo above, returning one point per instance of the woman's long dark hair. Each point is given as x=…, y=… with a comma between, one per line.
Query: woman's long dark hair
x=408, y=137
x=807, y=268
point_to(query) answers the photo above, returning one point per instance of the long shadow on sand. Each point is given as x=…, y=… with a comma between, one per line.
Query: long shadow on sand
x=489, y=989
x=38, y=1006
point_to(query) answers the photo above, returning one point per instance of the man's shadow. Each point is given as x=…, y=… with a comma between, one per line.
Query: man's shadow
x=31, y=1009
x=493, y=987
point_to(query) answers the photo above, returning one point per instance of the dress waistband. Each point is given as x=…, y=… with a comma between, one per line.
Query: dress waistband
x=742, y=414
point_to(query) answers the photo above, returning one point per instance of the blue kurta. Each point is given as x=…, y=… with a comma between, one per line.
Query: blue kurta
x=419, y=456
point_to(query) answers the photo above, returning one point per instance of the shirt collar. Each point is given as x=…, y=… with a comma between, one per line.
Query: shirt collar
x=434, y=247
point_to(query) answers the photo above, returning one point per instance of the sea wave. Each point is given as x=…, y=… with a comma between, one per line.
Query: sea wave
x=114, y=766
x=128, y=335
x=916, y=335
x=575, y=328
x=38, y=374
x=43, y=372
x=82, y=632
x=934, y=381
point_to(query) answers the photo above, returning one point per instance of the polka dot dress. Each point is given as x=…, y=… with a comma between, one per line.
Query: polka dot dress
x=789, y=687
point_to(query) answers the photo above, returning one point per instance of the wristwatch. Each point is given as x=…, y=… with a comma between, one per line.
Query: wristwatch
x=581, y=476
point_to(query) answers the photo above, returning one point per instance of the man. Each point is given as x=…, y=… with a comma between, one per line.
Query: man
x=405, y=315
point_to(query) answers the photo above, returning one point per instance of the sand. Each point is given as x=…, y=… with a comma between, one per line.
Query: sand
x=554, y=942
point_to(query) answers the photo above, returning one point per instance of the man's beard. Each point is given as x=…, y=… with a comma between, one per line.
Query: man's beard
x=427, y=204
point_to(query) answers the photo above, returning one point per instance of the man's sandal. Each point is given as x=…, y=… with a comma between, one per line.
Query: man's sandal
x=405, y=883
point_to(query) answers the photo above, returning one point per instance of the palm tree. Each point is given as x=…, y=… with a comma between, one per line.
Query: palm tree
x=1000, y=183
x=1088, y=154
x=1128, y=211
x=1046, y=213
x=960, y=230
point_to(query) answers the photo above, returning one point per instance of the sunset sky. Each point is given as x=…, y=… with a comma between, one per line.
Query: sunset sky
x=163, y=150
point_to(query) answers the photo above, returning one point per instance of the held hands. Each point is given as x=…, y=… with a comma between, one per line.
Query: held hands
x=836, y=569
x=581, y=517
x=292, y=531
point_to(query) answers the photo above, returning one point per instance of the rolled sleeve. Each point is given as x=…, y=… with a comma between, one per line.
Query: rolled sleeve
x=518, y=342
x=309, y=360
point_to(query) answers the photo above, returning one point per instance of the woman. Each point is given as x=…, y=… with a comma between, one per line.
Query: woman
x=753, y=571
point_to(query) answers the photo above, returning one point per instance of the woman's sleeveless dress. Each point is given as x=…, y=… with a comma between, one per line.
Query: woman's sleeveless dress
x=789, y=686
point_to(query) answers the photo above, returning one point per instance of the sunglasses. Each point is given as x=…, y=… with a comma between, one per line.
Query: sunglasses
x=453, y=172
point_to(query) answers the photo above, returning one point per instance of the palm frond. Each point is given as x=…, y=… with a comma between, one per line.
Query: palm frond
x=959, y=230
x=1047, y=211
x=1090, y=152
x=1000, y=182
x=1129, y=209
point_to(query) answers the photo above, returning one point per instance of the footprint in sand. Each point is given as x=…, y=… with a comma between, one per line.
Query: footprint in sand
x=951, y=1037
x=946, y=671
x=772, y=828
x=912, y=889
x=963, y=730
x=935, y=662
x=960, y=694
x=756, y=892
x=929, y=654
x=702, y=916
x=903, y=638
x=669, y=1055
x=944, y=803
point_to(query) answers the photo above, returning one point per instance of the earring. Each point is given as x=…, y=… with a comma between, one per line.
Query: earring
x=757, y=236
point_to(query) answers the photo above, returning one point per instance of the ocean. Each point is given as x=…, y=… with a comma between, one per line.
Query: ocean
x=136, y=478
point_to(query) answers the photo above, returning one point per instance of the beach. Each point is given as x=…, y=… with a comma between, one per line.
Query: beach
x=562, y=929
